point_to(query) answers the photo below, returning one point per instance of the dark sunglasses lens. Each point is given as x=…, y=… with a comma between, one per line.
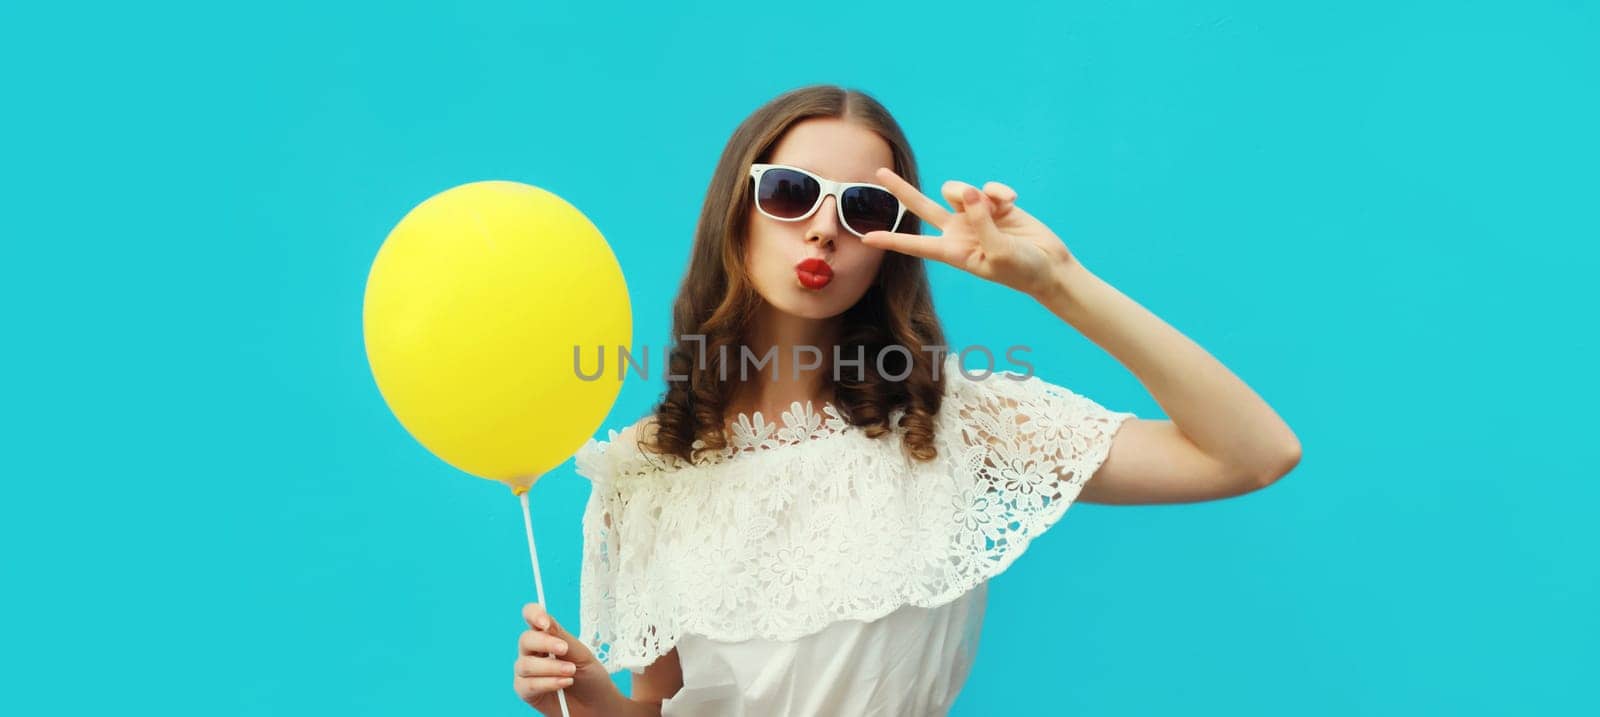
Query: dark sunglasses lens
x=868, y=209
x=786, y=193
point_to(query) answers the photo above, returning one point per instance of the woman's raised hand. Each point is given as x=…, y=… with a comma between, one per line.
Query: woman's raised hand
x=551, y=659
x=984, y=233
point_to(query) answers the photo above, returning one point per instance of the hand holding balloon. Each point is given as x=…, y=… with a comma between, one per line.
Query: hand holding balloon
x=549, y=659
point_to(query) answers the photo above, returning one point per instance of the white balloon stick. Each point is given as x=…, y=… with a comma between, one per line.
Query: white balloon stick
x=538, y=586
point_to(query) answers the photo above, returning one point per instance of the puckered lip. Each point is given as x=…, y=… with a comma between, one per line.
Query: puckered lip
x=814, y=265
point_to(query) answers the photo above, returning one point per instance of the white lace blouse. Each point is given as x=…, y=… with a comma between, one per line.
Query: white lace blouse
x=809, y=570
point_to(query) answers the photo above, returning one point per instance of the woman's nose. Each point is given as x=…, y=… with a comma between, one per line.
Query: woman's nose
x=824, y=225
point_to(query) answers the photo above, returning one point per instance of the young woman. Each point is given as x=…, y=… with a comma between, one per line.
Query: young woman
x=835, y=561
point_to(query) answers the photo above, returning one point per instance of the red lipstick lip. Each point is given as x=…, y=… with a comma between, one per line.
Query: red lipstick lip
x=813, y=273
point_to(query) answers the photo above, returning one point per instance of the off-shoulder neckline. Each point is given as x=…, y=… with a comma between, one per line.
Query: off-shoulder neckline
x=750, y=433
x=800, y=423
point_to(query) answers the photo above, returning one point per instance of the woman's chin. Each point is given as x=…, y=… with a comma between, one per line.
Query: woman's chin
x=812, y=303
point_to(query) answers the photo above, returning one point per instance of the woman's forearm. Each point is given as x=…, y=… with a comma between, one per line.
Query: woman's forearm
x=1211, y=406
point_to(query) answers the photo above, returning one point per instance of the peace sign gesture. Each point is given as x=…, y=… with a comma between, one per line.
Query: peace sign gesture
x=987, y=234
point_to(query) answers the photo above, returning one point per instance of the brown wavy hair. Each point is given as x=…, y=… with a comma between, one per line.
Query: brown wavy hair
x=718, y=301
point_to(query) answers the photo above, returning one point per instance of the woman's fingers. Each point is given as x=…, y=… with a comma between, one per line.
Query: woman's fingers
x=980, y=215
x=548, y=658
x=955, y=194
x=980, y=207
x=531, y=666
x=536, y=642
x=558, y=637
x=1003, y=197
x=919, y=204
x=534, y=614
x=1000, y=196
x=1000, y=192
x=927, y=247
x=535, y=688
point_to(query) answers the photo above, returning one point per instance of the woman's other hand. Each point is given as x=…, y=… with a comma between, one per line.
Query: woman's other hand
x=984, y=233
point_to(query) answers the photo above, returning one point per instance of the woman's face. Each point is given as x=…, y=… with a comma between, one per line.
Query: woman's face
x=843, y=152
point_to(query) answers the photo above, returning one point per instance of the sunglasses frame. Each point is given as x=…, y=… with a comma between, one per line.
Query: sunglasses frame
x=830, y=188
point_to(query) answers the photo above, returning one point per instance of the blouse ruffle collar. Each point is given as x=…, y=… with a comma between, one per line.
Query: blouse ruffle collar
x=806, y=521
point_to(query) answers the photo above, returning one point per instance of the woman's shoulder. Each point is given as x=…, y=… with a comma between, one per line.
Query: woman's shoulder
x=624, y=453
x=639, y=433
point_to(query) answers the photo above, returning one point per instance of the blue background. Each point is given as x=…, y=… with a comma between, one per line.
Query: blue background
x=1380, y=215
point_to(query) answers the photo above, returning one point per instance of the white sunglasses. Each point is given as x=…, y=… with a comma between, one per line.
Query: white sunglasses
x=790, y=194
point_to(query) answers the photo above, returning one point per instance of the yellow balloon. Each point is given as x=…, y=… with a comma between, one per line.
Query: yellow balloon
x=473, y=308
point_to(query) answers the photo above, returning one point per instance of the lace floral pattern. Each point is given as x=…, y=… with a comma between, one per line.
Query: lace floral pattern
x=804, y=522
x=800, y=424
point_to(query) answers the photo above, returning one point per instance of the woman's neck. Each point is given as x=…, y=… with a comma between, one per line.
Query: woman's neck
x=795, y=355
